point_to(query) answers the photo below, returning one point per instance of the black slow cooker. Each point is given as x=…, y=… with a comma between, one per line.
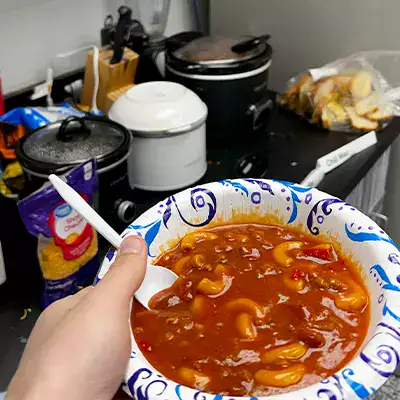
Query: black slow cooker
x=59, y=147
x=230, y=74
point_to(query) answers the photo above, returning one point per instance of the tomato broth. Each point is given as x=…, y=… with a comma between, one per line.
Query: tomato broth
x=257, y=310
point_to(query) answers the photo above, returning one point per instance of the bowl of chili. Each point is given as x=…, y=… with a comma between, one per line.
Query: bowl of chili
x=284, y=292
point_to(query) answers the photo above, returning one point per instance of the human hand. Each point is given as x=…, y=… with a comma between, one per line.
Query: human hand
x=80, y=345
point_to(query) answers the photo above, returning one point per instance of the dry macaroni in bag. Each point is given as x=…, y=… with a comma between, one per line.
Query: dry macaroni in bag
x=67, y=244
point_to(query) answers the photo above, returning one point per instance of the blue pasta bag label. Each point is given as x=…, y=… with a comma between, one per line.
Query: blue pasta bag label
x=67, y=244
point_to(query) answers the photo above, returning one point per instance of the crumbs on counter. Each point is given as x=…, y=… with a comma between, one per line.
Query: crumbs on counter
x=217, y=163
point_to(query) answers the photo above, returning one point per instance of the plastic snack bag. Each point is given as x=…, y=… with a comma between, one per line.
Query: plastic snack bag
x=35, y=117
x=12, y=180
x=67, y=244
x=358, y=93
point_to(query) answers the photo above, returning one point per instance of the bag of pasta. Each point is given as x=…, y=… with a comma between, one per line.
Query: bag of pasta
x=358, y=93
x=67, y=244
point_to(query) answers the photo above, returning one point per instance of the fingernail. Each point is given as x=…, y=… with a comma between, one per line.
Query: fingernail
x=131, y=245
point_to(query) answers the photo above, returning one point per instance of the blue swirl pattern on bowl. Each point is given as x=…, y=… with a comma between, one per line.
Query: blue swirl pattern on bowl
x=312, y=212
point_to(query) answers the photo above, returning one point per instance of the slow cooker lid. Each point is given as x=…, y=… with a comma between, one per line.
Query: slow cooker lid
x=73, y=140
x=159, y=109
x=210, y=50
x=58, y=147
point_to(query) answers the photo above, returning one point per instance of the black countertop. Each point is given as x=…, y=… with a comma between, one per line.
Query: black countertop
x=308, y=143
x=291, y=149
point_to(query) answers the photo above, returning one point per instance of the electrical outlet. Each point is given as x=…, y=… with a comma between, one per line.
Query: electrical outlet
x=40, y=91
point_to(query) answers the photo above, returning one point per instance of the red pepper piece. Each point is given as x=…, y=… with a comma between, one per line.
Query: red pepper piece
x=297, y=274
x=322, y=254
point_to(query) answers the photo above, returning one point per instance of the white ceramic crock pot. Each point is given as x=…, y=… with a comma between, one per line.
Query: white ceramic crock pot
x=312, y=212
x=168, y=125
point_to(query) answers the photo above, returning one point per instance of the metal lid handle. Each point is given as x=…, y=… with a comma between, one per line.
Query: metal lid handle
x=248, y=44
x=66, y=135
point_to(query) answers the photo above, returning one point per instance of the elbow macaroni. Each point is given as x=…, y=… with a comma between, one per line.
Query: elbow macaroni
x=248, y=306
x=206, y=286
x=293, y=284
x=280, y=253
x=245, y=326
x=212, y=288
x=292, y=351
x=190, y=240
x=194, y=378
x=181, y=266
x=280, y=378
x=353, y=299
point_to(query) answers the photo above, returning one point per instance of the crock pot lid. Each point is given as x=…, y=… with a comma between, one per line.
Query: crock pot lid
x=217, y=50
x=158, y=107
x=77, y=140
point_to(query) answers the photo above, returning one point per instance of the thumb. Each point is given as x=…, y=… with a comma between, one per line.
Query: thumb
x=127, y=272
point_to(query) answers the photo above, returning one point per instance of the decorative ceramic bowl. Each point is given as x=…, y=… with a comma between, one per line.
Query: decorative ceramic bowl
x=312, y=212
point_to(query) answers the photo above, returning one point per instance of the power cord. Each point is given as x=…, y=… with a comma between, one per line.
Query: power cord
x=197, y=15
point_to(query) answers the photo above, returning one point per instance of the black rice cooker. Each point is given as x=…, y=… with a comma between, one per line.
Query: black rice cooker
x=230, y=74
x=61, y=146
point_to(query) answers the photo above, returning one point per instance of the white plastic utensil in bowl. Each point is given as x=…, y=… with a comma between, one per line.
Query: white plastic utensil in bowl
x=156, y=278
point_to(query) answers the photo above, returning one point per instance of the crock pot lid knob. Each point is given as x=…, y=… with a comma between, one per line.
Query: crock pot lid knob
x=248, y=44
x=69, y=132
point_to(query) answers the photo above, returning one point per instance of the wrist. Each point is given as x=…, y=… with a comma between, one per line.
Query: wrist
x=30, y=391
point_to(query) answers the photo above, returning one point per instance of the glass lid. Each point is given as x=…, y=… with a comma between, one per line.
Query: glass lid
x=73, y=140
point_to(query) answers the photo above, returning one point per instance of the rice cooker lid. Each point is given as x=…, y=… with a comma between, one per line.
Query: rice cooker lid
x=159, y=109
x=216, y=55
x=62, y=145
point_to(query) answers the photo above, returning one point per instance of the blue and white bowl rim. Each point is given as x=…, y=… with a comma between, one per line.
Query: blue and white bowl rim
x=310, y=211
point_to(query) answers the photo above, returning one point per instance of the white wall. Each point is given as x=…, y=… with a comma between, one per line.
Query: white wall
x=308, y=33
x=32, y=32
x=181, y=16
x=31, y=35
